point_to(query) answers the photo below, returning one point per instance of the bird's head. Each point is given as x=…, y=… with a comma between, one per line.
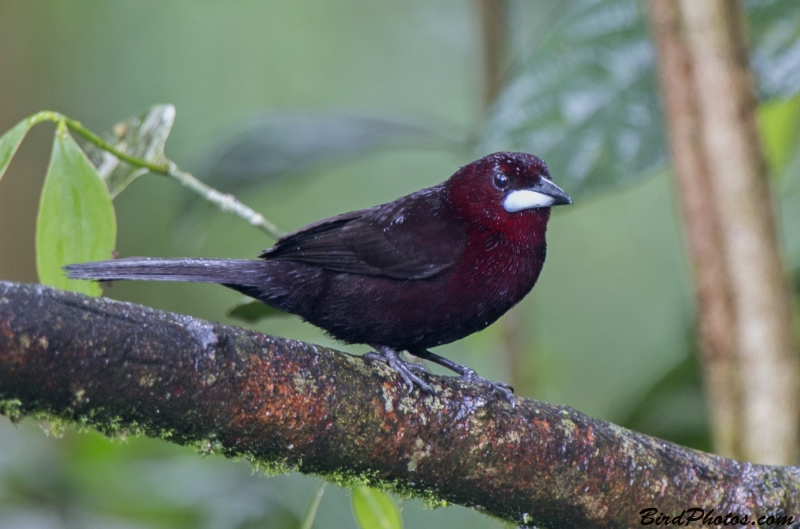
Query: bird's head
x=509, y=192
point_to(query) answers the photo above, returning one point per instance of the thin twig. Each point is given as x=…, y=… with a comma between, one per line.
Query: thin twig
x=313, y=505
x=224, y=201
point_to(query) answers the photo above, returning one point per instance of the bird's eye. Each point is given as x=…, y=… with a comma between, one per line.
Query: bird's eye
x=500, y=181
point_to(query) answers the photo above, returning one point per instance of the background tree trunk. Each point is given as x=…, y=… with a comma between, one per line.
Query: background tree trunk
x=715, y=320
x=494, y=28
x=725, y=194
x=517, y=345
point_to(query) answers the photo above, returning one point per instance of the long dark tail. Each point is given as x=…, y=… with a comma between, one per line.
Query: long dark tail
x=240, y=272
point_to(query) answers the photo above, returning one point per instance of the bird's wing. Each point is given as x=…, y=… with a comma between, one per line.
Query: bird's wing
x=410, y=238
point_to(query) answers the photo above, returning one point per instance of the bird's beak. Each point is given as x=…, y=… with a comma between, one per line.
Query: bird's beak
x=542, y=195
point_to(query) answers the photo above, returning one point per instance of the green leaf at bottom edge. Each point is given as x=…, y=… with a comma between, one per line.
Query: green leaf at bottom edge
x=375, y=510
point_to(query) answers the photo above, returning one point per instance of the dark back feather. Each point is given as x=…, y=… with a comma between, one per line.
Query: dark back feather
x=390, y=240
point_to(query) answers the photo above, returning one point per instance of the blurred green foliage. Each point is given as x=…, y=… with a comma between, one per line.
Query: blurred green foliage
x=253, y=311
x=291, y=142
x=609, y=322
x=10, y=141
x=374, y=510
x=584, y=94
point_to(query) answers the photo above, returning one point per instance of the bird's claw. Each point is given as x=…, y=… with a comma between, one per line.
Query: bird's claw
x=416, y=368
x=406, y=370
x=470, y=376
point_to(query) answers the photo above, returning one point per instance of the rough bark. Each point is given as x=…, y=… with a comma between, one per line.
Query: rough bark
x=288, y=405
x=716, y=323
x=765, y=345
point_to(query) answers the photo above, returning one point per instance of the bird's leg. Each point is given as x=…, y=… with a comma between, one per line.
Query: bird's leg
x=404, y=369
x=467, y=374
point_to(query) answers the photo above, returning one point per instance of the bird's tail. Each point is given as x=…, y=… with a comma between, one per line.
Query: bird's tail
x=225, y=271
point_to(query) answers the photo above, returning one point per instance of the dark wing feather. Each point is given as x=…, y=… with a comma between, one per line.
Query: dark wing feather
x=410, y=238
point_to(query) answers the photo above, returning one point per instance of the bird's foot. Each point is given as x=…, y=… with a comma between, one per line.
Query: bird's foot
x=468, y=375
x=471, y=377
x=415, y=364
x=407, y=371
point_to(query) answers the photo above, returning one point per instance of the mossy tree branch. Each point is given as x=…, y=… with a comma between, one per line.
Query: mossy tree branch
x=288, y=405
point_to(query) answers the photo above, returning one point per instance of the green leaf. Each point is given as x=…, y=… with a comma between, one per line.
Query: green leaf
x=375, y=510
x=585, y=99
x=76, y=220
x=253, y=311
x=9, y=142
x=584, y=94
x=779, y=124
x=141, y=136
x=775, y=32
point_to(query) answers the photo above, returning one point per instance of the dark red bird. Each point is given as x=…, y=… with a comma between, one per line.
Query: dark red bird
x=427, y=269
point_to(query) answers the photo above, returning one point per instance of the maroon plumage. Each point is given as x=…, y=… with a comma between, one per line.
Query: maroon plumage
x=427, y=269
